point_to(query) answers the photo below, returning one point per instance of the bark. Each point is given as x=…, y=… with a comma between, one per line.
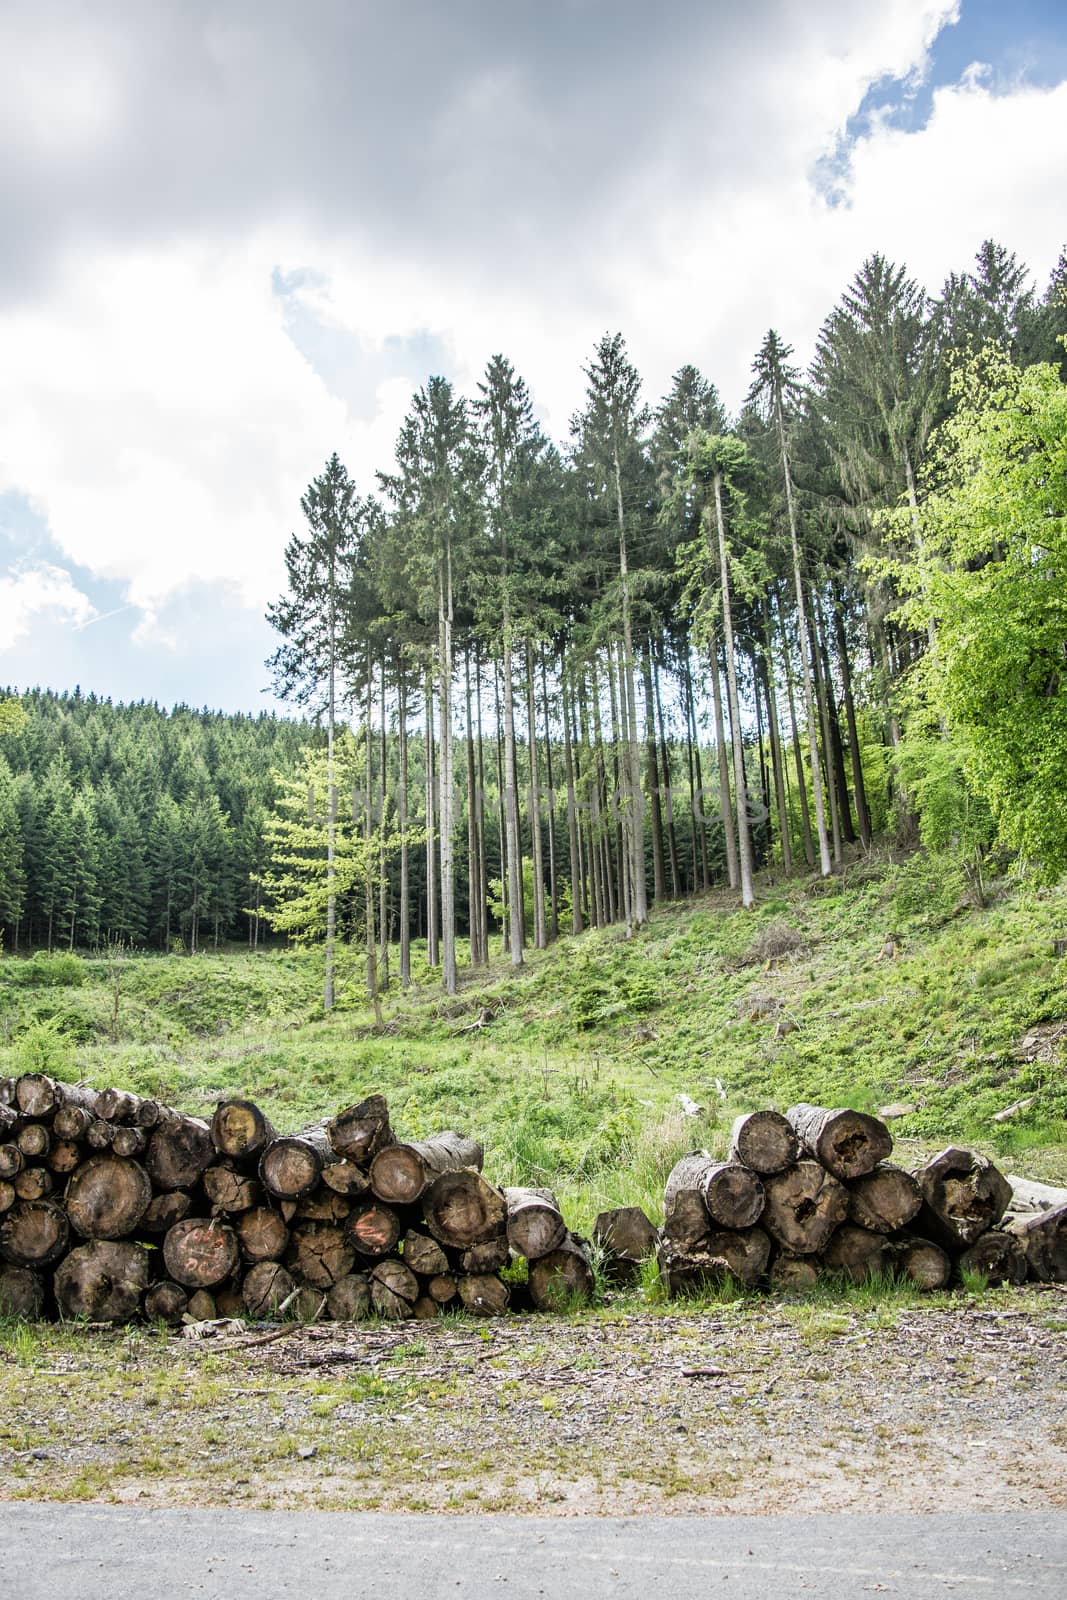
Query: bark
x=291, y=1166
x=885, y=1200
x=659, y=865
x=34, y=1233
x=118, y=1105
x=103, y=1281
x=822, y=701
x=764, y=1141
x=726, y=811
x=240, y=1130
x=1028, y=1196
x=516, y=916
x=726, y=1193
x=535, y=1225
x=179, y=1152
x=562, y=1279
x=432, y=952
x=550, y=814
x=37, y=1095
x=857, y=1253
x=802, y=785
x=963, y=1196
x=200, y=1252
x=804, y=1206
x=778, y=765
x=445, y=781
x=107, y=1197
x=668, y=792
x=540, y=932
x=402, y=824
x=718, y=1256
x=859, y=787
x=626, y=1238
x=401, y=1172
x=848, y=1143
x=462, y=1209
x=573, y=846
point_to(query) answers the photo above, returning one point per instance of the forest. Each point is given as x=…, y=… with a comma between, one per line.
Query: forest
x=545, y=686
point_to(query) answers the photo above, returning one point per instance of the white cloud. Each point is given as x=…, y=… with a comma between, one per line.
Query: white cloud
x=35, y=594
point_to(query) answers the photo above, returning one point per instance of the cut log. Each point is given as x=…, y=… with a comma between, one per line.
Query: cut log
x=1027, y=1196
x=847, y=1143
x=7, y=1195
x=349, y=1299
x=626, y=1237
x=99, y=1134
x=922, y=1262
x=488, y=1256
x=150, y=1113
x=166, y=1302
x=202, y=1307
x=240, y=1130
x=562, y=1279
x=103, y=1280
x=999, y=1256
x=291, y=1166
x=484, y=1294
x=425, y=1309
x=373, y=1229
x=423, y=1254
x=9, y=1121
x=462, y=1209
x=200, y=1252
x=804, y=1206
x=129, y=1141
x=686, y=1219
x=793, y=1274
x=12, y=1160
x=266, y=1287
x=346, y=1179
x=400, y=1173
x=884, y=1201
x=322, y=1205
x=729, y=1253
x=535, y=1225
x=764, y=1141
x=118, y=1105
x=229, y=1300
x=34, y=1140
x=1043, y=1236
x=231, y=1190
x=37, y=1095
x=21, y=1293
x=7, y=1093
x=179, y=1152
x=64, y=1156
x=360, y=1131
x=394, y=1290
x=964, y=1195
x=164, y=1210
x=734, y=1196
x=443, y=1288
x=107, y=1197
x=857, y=1253
x=262, y=1234
x=72, y=1122
x=320, y=1254
x=33, y=1183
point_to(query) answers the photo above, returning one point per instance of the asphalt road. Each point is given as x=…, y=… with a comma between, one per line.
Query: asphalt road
x=96, y=1552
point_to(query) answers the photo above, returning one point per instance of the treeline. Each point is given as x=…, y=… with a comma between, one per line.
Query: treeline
x=641, y=663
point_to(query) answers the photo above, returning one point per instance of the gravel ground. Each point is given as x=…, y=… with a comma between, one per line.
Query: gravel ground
x=899, y=1405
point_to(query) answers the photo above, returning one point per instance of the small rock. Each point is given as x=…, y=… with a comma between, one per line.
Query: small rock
x=307, y=1452
x=899, y=1108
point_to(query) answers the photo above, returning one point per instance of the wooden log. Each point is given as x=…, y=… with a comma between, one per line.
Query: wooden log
x=349, y=1299
x=12, y=1160
x=291, y=1166
x=346, y=1179
x=425, y=1309
x=34, y=1140
x=240, y=1130
x=484, y=1294
x=7, y=1195
x=857, y=1253
x=922, y=1262
x=686, y=1219
x=118, y=1105
x=7, y=1093
x=793, y=1274
x=37, y=1095
x=847, y=1143
x=99, y=1134
x=231, y=1190
x=461, y=1209
x=107, y=1197
x=1028, y=1196
x=202, y=1307
x=423, y=1254
x=164, y=1210
x=804, y=1206
x=360, y=1131
x=64, y=1156
x=488, y=1256
x=262, y=1233
x=998, y=1255
x=763, y=1141
x=9, y=1121
x=625, y=1234
x=150, y=1114
x=535, y=1225
x=734, y=1196
x=730, y=1253
x=33, y=1183
x=103, y=1280
x=21, y=1293
x=200, y=1252
x=562, y=1279
x=322, y=1205
x=179, y=1152
x=394, y=1290
x=129, y=1141
x=885, y=1200
x=1043, y=1237
x=443, y=1287
x=166, y=1302
x=72, y=1122
x=963, y=1196
x=373, y=1229
x=267, y=1286
x=229, y=1300
x=401, y=1173
x=320, y=1254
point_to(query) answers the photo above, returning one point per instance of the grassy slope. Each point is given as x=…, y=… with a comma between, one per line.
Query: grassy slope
x=569, y=1070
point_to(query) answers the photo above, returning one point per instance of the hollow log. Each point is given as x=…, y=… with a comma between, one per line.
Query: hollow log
x=847, y=1143
x=64, y=1156
x=484, y=1294
x=443, y=1287
x=266, y=1286
x=33, y=1183
x=262, y=1234
x=804, y=1206
x=763, y=1141
x=72, y=1122
x=394, y=1290
x=37, y=1095
x=360, y=1131
x=963, y=1196
x=166, y=1302
x=885, y=1200
x=562, y=1279
x=373, y=1229
x=320, y=1254
x=461, y=1209
x=1043, y=1237
x=240, y=1130
x=102, y=1280
x=793, y=1274
x=322, y=1205
x=423, y=1254
x=164, y=1210
x=129, y=1141
x=179, y=1152
x=107, y=1197
x=922, y=1262
x=488, y=1256
x=21, y=1293
x=400, y=1173
x=998, y=1255
x=291, y=1166
x=231, y=1190
x=535, y=1225
x=349, y=1299
x=1027, y=1196
x=12, y=1160
x=857, y=1253
x=626, y=1237
x=346, y=1179
x=200, y=1252
x=729, y=1253
x=202, y=1307
x=34, y=1140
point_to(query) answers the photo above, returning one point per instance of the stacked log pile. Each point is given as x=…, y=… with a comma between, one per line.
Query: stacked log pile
x=814, y=1192
x=113, y=1207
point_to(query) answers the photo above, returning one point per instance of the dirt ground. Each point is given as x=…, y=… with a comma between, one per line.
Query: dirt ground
x=897, y=1404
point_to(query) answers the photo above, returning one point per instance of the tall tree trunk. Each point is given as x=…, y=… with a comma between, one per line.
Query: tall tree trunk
x=536, y=843
x=733, y=860
x=479, y=809
x=659, y=870
x=696, y=781
x=574, y=847
x=634, y=823
x=501, y=821
x=369, y=874
x=331, y=810
x=553, y=885
x=859, y=787
x=622, y=839
x=668, y=792
x=777, y=761
x=516, y=910
x=446, y=785
x=432, y=952
x=824, y=721
x=802, y=782
x=402, y=823
x=601, y=780
x=383, y=876
x=596, y=888
x=837, y=749
x=473, y=930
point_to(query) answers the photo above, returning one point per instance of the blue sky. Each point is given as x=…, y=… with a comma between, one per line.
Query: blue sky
x=239, y=237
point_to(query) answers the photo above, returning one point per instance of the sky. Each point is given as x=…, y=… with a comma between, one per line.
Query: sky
x=239, y=234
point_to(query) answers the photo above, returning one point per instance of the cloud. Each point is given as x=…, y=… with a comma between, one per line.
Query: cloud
x=41, y=593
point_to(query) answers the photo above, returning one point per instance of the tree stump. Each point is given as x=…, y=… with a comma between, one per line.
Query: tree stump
x=763, y=1141
x=535, y=1225
x=400, y=1173
x=34, y=1233
x=240, y=1130
x=179, y=1152
x=885, y=1200
x=166, y=1302
x=847, y=1143
x=200, y=1253
x=963, y=1196
x=360, y=1131
x=562, y=1279
x=804, y=1206
x=103, y=1280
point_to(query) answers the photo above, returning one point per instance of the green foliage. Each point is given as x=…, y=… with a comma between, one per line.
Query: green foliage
x=13, y=718
x=58, y=969
x=43, y=1047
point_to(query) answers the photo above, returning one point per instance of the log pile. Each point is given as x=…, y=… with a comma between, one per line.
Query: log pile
x=814, y=1193
x=114, y=1207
